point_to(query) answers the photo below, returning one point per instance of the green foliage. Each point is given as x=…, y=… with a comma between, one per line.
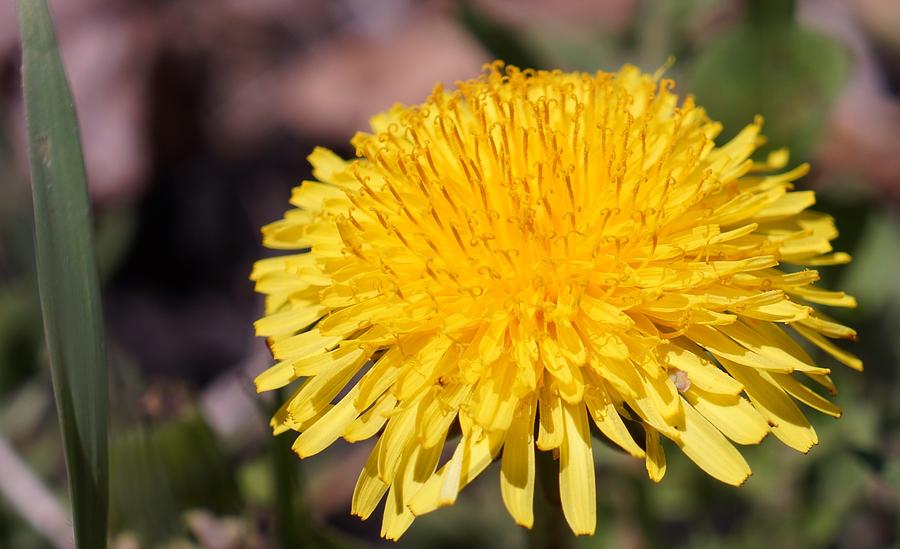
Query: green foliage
x=67, y=272
x=141, y=493
x=771, y=66
x=500, y=41
x=19, y=339
x=159, y=472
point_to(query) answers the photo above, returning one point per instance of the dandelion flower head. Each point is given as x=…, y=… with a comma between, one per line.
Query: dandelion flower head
x=533, y=255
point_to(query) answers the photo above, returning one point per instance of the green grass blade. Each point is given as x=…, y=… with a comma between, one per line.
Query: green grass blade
x=67, y=273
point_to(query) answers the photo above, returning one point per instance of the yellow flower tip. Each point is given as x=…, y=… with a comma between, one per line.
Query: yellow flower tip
x=524, y=523
x=670, y=62
x=301, y=453
x=809, y=449
x=533, y=251
x=758, y=439
x=778, y=159
x=584, y=531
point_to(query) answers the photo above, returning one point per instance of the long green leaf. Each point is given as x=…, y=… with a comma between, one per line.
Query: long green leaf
x=67, y=273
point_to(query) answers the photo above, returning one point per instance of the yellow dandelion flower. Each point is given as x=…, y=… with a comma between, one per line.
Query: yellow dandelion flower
x=532, y=252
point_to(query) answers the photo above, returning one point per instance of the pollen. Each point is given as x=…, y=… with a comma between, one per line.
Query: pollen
x=532, y=255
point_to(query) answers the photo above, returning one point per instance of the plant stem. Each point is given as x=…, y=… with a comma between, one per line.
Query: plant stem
x=291, y=521
x=550, y=529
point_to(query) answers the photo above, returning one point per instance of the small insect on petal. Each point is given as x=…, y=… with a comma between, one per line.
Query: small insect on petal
x=681, y=380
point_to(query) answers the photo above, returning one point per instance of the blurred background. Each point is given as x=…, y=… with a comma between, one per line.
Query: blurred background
x=197, y=117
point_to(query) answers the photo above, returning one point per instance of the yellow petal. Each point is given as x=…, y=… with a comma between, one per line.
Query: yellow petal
x=555, y=363
x=369, y=487
x=828, y=328
x=327, y=429
x=785, y=419
x=620, y=373
x=550, y=426
x=788, y=205
x=837, y=258
x=819, y=341
x=526, y=354
x=436, y=358
x=312, y=195
x=570, y=344
x=778, y=337
x=490, y=346
x=736, y=418
x=577, y=487
x=316, y=393
x=470, y=458
x=440, y=409
x=824, y=381
x=283, y=420
x=327, y=166
x=517, y=467
x=449, y=482
x=664, y=398
x=385, y=372
x=607, y=418
x=275, y=377
x=416, y=467
x=725, y=347
x=706, y=447
x=781, y=311
x=824, y=297
x=308, y=343
x=280, y=264
x=649, y=405
x=399, y=432
x=806, y=395
x=369, y=423
x=483, y=349
x=289, y=321
x=655, y=459
x=397, y=517
x=288, y=233
x=351, y=318
x=494, y=404
x=604, y=313
x=770, y=350
x=283, y=283
x=315, y=364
